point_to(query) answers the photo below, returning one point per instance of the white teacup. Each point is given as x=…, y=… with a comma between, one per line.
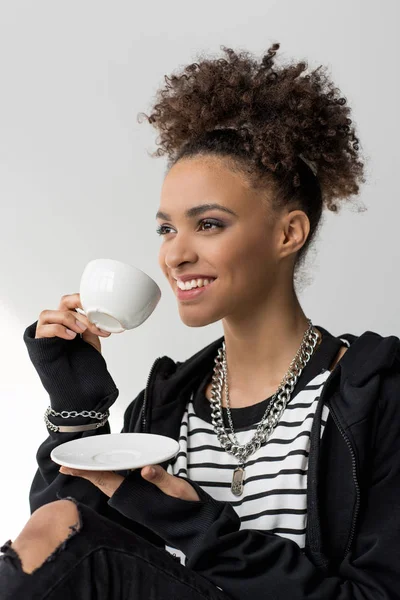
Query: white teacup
x=116, y=296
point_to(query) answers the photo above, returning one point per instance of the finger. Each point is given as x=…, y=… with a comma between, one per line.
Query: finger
x=66, y=324
x=106, y=481
x=77, y=472
x=74, y=301
x=63, y=324
x=71, y=302
x=90, y=327
x=93, y=476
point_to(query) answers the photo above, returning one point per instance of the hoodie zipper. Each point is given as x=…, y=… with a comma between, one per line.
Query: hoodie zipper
x=144, y=405
x=356, y=484
x=353, y=458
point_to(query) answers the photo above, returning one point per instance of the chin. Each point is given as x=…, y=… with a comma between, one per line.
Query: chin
x=193, y=318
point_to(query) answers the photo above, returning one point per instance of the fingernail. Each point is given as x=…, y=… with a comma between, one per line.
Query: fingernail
x=104, y=332
x=81, y=325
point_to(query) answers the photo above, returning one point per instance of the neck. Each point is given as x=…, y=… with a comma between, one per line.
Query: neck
x=261, y=344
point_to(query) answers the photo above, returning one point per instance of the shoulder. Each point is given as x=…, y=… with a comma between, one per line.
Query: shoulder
x=369, y=354
x=370, y=384
x=375, y=363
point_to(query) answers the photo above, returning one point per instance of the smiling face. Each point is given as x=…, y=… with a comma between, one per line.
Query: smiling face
x=241, y=248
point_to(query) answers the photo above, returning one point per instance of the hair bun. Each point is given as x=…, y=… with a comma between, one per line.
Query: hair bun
x=277, y=111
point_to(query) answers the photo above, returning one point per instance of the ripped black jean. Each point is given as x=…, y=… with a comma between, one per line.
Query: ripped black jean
x=100, y=559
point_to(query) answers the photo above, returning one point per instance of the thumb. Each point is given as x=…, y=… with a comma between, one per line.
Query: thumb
x=159, y=476
x=172, y=485
x=92, y=339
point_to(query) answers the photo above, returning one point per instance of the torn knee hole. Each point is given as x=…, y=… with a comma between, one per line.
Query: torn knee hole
x=74, y=529
x=10, y=554
x=79, y=523
x=26, y=563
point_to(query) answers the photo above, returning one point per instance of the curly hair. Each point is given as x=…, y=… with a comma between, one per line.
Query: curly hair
x=263, y=118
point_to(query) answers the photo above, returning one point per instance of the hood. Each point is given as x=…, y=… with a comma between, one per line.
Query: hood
x=362, y=369
x=369, y=354
x=357, y=375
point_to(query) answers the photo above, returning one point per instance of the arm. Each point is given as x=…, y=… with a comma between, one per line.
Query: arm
x=257, y=564
x=75, y=376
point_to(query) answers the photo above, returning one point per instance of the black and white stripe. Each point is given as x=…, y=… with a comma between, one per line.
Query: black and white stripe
x=274, y=497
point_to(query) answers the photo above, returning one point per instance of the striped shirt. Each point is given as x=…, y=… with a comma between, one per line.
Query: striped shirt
x=274, y=498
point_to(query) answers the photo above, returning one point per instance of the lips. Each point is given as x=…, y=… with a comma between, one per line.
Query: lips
x=193, y=293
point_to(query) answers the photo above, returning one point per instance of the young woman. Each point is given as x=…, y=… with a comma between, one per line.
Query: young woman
x=287, y=483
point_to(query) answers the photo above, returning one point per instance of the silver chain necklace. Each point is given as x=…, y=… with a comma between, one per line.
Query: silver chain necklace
x=274, y=410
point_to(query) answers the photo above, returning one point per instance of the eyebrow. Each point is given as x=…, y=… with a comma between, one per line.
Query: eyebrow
x=197, y=210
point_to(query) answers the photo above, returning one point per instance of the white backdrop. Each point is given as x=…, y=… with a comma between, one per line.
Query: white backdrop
x=77, y=182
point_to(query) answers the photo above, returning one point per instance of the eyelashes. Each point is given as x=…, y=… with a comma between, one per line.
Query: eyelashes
x=161, y=229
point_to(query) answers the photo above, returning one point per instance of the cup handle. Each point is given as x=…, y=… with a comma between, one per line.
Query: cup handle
x=82, y=312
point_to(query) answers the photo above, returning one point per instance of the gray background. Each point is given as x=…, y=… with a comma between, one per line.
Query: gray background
x=77, y=181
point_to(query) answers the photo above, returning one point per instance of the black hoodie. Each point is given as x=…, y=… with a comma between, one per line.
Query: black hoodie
x=353, y=494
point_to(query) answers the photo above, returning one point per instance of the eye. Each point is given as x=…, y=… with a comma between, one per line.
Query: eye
x=161, y=230
x=213, y=222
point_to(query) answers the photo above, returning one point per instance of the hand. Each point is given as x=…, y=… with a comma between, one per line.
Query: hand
x=108, y=482
x=64, y=323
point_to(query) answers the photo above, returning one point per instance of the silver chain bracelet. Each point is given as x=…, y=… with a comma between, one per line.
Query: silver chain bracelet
x=74, y=413
x=65, y=414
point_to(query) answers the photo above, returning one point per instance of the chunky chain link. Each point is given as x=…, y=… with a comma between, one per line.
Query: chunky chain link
x=275, y=407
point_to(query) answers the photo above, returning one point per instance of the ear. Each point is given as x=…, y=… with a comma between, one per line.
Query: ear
x=295, y=227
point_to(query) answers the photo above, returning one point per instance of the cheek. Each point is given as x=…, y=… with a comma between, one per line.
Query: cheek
x=252, y=252
x=254, y=265
x=161, y=260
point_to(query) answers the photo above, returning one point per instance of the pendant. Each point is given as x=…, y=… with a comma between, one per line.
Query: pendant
x=237, y=481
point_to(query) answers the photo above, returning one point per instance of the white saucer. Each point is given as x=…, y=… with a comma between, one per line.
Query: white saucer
x=115, y=451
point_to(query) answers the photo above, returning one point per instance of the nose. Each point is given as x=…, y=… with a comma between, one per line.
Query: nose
x=177, y=251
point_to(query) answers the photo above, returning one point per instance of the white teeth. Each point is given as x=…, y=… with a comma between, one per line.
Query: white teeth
x=188, y=285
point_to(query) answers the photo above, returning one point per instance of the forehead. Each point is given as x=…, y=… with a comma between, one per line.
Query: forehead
x=203, y=179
